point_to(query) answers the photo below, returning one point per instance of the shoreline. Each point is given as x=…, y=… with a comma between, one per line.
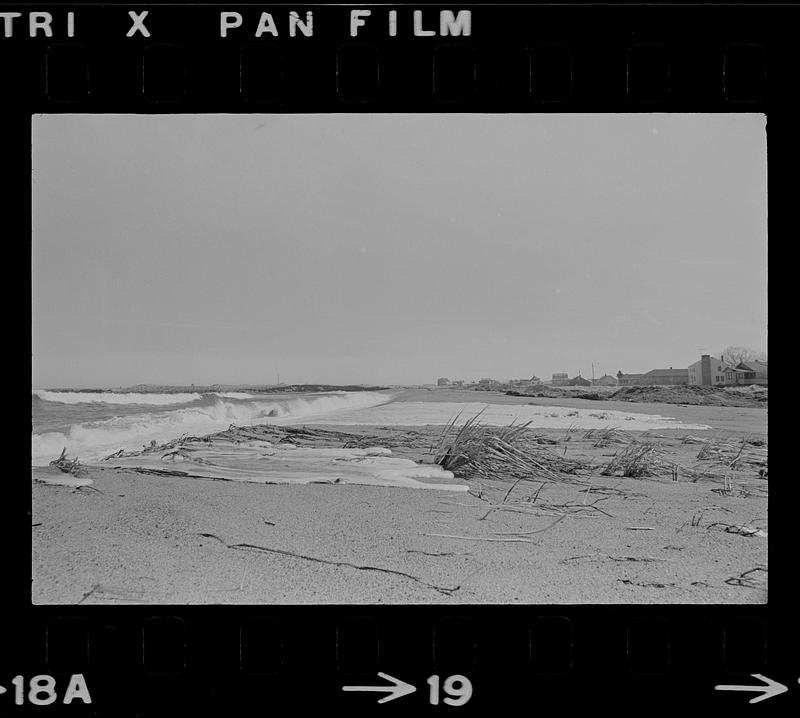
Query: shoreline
x=134, y=538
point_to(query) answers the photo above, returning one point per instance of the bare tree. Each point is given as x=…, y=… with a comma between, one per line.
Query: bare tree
x=735, y=355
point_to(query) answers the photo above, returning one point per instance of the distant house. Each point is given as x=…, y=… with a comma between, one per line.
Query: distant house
x=666, y=377
x=655, y=377
x=606, y=380
x=758, y=368
x=745, y=373
x=443, y=381
x=518, y=382
x=628, y=379
x=560, y=379
x=735, y=375
x=709, y=371
x=458, y=382
x=579, y=381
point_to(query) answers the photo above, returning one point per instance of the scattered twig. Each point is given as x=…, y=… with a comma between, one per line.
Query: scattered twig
x=745, y=580
x=741, y=530
x=535, y=531
x=480, y=538
x=252, y=547
x=244, y=575
x=511, y=488
x=607, y=557
x=646, y=584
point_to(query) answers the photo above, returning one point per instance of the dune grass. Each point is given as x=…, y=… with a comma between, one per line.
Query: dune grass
x=477, y=450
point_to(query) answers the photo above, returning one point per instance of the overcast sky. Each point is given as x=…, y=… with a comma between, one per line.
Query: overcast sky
x=392, y=248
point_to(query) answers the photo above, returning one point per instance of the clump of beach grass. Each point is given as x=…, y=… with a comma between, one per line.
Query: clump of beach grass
x=606, y=437
x=734, y=453
x=477, y=450
x=636, y=460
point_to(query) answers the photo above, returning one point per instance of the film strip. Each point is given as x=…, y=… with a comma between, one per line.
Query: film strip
x=83, y=638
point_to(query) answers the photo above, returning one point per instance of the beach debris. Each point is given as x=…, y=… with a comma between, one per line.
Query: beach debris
x=482, y=538
x=176, y=455
x=646, y=584
x=688, y=439
x=446, y=590
x=534, y=531
x=478, y=450
x=154, y=447
x=262, y=455
x=73, y=482
x=752, y=578
x=635, y=461
x=606, y=557
x=742, y=530
x=606, y=437
x=531, y=505
x=735, y=454
x=73, y=467
x=112, y=593
x=727, y=489
x=697, y=517
x=639, y=528
x=244, y=575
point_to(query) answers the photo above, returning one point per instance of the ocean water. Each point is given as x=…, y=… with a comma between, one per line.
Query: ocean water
x=91, y=425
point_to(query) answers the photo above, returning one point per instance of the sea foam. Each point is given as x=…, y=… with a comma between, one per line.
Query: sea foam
x=93, y=440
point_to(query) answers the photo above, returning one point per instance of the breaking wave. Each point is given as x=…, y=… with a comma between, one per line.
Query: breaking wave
x=93, y=440
x=110, y=397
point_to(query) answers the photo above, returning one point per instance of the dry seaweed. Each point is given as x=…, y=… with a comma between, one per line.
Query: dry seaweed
x=68, y=466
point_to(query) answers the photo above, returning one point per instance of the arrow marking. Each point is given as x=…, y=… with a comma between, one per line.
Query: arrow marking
x=398, y=690
x=772, y=688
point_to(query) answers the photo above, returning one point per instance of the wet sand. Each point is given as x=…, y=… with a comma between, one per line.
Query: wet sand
x=134, y=538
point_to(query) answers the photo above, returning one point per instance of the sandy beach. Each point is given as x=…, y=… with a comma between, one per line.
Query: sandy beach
x=686, y=535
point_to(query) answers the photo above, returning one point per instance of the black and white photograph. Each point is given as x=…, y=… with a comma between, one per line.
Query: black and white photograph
x=447, y=358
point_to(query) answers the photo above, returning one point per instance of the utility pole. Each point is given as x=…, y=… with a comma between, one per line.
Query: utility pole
x=592, y=372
